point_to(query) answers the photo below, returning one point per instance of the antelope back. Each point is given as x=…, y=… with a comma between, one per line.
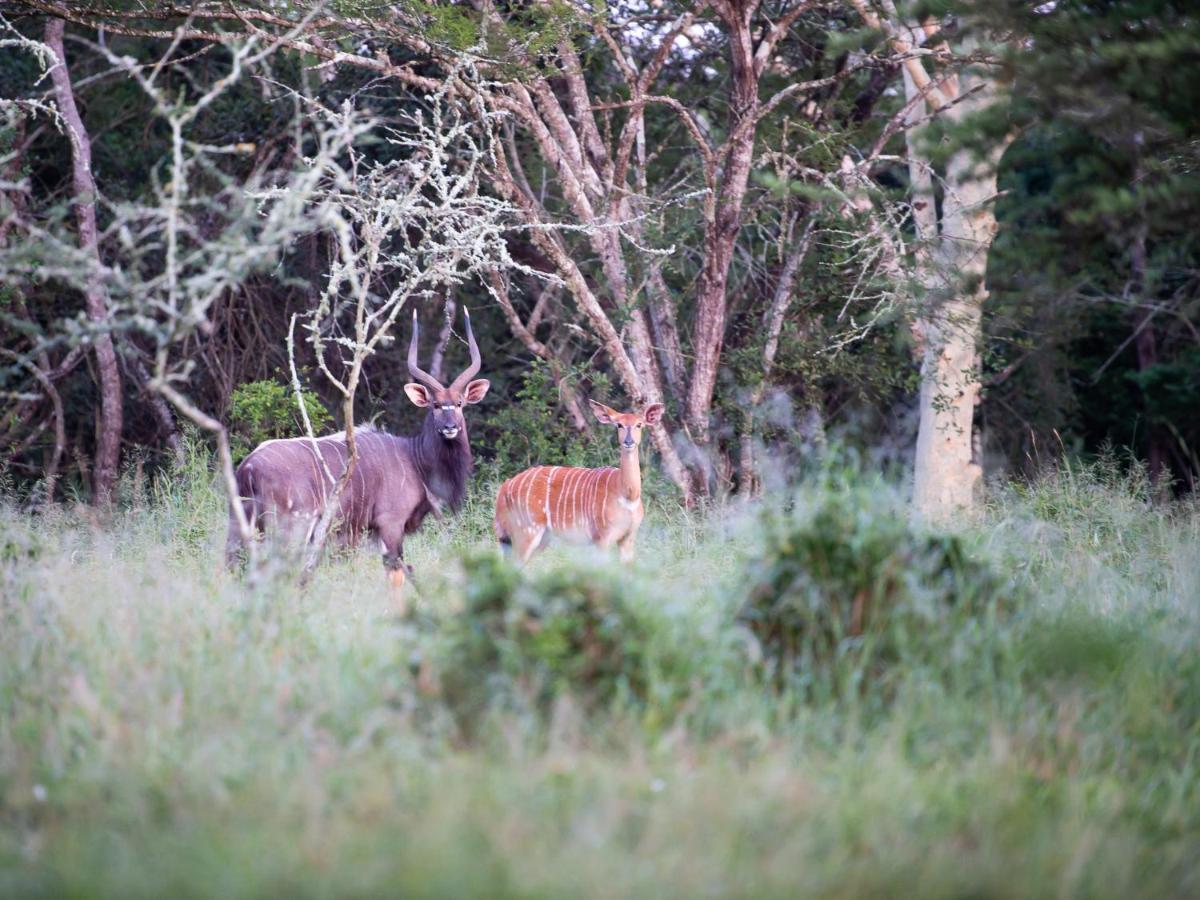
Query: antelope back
x=563, y=499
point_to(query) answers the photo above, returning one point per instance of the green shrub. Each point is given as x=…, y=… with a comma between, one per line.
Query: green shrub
x=532, y=429
x=853, y=580
x=262, y=410
x=521, y=641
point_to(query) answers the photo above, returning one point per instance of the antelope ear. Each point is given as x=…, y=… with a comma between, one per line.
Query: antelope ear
x=417, y=393
x=476, y=390
x=604, y=415
x=653, y=413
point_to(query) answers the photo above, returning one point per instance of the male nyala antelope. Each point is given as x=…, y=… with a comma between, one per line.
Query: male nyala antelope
x=598, y=506
x=396, y=482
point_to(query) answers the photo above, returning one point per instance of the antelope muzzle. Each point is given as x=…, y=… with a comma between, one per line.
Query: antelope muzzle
x=447, y=421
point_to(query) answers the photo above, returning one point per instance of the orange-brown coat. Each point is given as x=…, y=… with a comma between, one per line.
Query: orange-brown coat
x=598, y=506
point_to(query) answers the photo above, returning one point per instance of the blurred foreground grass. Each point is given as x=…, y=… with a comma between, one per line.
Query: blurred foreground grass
x=1019, y=717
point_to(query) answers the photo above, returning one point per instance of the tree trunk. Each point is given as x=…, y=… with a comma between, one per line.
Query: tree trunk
x=947, y=476
x=708, y=332
x=924, y=208
x=108, y=447
x=666, y=335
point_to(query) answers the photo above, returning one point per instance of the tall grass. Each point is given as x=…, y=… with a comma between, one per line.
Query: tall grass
x=166, y=730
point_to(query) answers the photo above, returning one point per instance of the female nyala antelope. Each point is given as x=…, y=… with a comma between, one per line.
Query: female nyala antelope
x=600, y=506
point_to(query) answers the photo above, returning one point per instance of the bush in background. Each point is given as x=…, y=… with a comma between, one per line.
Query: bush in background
x=532, y=429
x=524, y=640
x=852, y=581
x=266, y=410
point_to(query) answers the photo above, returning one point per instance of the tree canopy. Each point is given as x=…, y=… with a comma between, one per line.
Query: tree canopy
x=744, y=210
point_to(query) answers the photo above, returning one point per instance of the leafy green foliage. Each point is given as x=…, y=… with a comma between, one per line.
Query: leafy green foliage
x=524, y=35
x=532, y=429
x=853, y=577
x=263, y=410
x=527, y=640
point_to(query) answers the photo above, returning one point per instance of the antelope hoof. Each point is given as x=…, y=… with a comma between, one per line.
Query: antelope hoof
x=396, y=580
x=396, y=589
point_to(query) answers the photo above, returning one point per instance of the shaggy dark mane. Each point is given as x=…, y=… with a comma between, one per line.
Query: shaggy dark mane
x=445, y=465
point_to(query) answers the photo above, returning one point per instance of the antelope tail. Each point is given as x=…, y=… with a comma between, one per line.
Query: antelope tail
x=248, y=496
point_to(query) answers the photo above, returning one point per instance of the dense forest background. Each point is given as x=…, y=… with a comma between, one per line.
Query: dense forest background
x=783, y=264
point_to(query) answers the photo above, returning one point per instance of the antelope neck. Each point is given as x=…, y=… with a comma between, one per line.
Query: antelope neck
x=631, y=475
x=444, y=463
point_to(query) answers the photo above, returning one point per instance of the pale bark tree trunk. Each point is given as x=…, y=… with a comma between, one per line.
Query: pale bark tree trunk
x=946, y=474
x=951, y=266
x=923, y=207
x=108, y=450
